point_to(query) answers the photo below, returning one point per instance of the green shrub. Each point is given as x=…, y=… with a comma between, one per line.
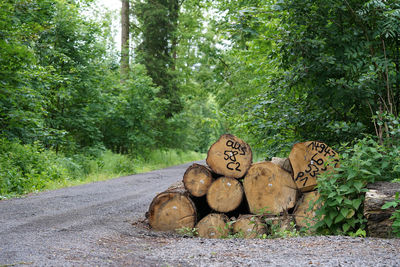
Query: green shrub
x=112, y=163
x=26, y=168
x=342, y=190
x=31, y=168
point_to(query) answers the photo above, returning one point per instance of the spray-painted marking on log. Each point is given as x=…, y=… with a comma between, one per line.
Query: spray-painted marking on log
x=237, y=146
x=322, y=148
x=314, y=167
x=230, y=155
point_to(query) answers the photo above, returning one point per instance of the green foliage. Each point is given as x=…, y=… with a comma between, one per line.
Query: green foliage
x=71, y=49
x=157, y=23
x=396, y=214
x=199, y=125
x=26, y=168
x=342, y=190
x=31, y=168
x=131, y=123
x=308, y=70
x=21, y=109
x=358, y=233
x=341, y=51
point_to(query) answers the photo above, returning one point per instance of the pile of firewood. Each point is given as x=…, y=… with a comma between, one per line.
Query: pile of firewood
x=232, y=191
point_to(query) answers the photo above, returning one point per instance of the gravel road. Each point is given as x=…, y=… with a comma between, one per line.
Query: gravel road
x=101, y=224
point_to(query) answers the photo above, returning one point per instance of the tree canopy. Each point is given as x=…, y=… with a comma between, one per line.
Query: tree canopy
x=272, y=72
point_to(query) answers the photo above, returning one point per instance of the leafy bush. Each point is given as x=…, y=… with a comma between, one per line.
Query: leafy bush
x=342, y=190
x=26, y=168
x=31, y=168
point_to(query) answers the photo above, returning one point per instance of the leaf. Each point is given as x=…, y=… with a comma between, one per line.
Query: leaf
x=339, y=218
x=366, y=171
x=332, y=194
x=352, y=174
x=328, y=221
x=388, y=205
x=344, y=188
x=344, y=212
x=339, y=199
x=396, y=223
x=345, y=227
x=356, y=203
x=350, y=214
x=358, y=185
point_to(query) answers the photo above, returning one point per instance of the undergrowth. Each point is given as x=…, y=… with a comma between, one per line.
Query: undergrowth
x=342, y=191
x=31, y=168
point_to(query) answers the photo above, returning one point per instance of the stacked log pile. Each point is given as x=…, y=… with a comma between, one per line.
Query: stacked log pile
x=233, y=195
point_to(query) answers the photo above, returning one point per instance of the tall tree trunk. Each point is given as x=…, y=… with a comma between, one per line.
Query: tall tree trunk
x=124, y=40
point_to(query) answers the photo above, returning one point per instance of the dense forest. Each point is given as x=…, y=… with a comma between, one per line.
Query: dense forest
x=274, y=72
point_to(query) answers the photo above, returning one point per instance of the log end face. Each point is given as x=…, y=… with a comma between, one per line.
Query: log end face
x=225, y=194
x=197, y=179
x=170, y=211
x=308, y=160
x=269, y=189
x=229, y=156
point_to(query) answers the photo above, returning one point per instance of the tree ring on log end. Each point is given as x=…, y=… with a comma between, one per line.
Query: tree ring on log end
x=225, y=194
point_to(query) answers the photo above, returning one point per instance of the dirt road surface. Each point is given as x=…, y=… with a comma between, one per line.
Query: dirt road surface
x=100, y=224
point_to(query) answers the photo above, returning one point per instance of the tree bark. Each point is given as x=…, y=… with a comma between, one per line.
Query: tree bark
x=214, y=225
x=269, y=189
x=309, y=159
x=230, y=156
x=225, y=194
x=124, y=40
x=197, y=179
x=171, y=210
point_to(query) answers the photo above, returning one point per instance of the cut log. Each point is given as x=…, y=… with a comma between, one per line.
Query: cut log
x=309, y=159
x=230, y=156
x=284, y=163
x=225, y=194
x=269, y=189
x=249, y=226
x=379, y=223
x=214, y=225
x=197, y=179
x=304, y=213
x=171, y=210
